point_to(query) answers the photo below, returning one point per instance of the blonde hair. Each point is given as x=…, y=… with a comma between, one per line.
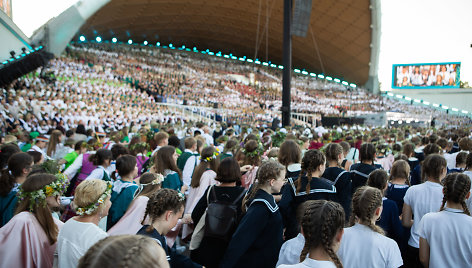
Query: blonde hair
x=400, y=169
x=54, y=140
x=88, y=192
x=125, y=251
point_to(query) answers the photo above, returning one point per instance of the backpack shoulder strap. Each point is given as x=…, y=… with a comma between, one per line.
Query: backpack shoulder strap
x=210, y=189
x=241, y=195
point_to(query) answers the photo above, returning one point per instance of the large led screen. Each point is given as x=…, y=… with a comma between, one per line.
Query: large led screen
x=426, y=75
x=5, y=6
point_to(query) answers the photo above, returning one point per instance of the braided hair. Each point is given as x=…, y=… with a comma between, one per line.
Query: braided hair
x=456, y=188
x=468, y=162
x=365, y=201
x=333, y=151
x=161, y=201
x=311, y=161
x=267, y=171
x=321, y=222
x=367, y=152
x=124, y=251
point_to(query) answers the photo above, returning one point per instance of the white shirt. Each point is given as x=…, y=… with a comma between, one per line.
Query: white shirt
x=310, y=263
x=74, y=239
x=449, y=237
x=72, y=170
x=291, y=250
x=451, y=160
x=362, y=247
x=39, y=150
x=208, y=138
x=422, y=198
x=98, y=173
x=190, y=165
x=155, y=150
x=75, y=167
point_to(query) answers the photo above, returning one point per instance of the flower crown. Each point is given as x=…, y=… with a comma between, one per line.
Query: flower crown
x=55, y=188
x=209, y=158
x=139, y=146
x=92, y=207
x=181, y=196
x=158, y=180
x=259, y=151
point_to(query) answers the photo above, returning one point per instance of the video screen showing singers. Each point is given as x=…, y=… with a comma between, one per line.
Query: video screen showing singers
x=426, y=75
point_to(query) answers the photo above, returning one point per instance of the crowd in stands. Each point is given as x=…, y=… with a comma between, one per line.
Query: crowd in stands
x=106, y=86
x=94, y=173
x=175, y=76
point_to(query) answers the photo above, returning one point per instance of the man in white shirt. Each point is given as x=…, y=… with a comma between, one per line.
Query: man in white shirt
x=206, y=134
x=188, y=160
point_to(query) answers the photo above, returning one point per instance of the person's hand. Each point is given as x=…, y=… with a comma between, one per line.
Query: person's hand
x=245, y=168
x=184, y=188
x=187, y=219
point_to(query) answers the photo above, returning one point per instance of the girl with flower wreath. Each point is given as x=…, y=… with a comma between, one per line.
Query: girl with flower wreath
x=165, y=163
x=130, y=223
x=92, y=202
x=203, y=177
x=252, y=156
x=29, y=238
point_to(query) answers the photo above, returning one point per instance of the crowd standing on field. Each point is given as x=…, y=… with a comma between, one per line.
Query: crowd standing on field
x=225, y=197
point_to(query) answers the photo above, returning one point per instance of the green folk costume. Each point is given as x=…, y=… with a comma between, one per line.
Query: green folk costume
x=225, y=155
x=8, y=205
x=172, y=180
x=121, y=197
x=182, y=160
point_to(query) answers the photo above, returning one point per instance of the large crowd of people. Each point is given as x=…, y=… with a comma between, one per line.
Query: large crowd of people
x=225, y=197
x=95, y=173
x=107, y=85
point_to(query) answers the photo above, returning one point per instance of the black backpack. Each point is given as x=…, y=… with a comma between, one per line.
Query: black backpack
x=221, y=217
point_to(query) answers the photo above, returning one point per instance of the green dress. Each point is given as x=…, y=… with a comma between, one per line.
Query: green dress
x=121, y=197
x=172, y=180
x=8, y=205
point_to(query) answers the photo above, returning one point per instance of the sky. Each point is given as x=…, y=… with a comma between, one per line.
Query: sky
x=29, y=15
x=425, y=31
x=413, y=31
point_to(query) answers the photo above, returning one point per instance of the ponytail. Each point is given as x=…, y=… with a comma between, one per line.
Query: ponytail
x=267, y=171
x=312, y=160
x=250, y=195
x=16, y=164
x=100, y=156
x=7, y=182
